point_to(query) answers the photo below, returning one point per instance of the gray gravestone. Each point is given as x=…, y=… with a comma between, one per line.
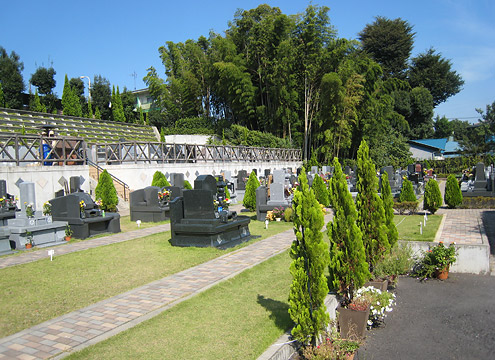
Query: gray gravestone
x=177, y=179
x=314, y=170
x=27, y=195
x=3, y=188
x=206, y=182
x=410, y=168
x=279, y=176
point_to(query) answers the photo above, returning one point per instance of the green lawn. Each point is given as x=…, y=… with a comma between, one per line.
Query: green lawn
x=38, y=291
x=408, y=227
x=236, y=319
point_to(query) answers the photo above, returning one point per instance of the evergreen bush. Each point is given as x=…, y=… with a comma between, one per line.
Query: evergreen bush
x=432, y=197
x=453, y=194
x=388, y=206
x=348, y=269
x=309, y=258
x=320, y=190
x=187, y=185
x=105, y=190
x=252, y=184
x=369, y=205
x=159, y=180
x=407, y=191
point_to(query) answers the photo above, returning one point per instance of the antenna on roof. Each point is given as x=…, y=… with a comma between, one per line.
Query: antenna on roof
x=134, y=75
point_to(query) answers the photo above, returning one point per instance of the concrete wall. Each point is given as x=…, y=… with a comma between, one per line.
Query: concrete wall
x=420, y=153
x=188, y=139
x=45, y=179
x=138, y=176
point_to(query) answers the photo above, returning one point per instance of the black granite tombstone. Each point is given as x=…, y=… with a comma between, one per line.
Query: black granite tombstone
x=242, y=177
x=85, y=222
x=195, y=222
x=144, y=205
x=8, y=206
x=262, y=206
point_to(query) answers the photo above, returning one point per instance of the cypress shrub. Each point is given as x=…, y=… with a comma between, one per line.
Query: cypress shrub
x=432, y=197
x=159, y=180
x=187, y=185
x=388, y=206
x=320, y=190
x=105, y=190
x=252, y=184
x=309, y=259
x=453, y=194
x=348, y=267
x=371, y=214
x=407, y=191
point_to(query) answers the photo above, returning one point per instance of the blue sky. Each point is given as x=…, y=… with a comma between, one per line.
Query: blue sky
x=119, y=38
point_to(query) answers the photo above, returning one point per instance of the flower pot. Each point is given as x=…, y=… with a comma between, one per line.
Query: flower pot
x=353, y=322
x=29, y=246
x=442, y=274
x=278, y=219
x=378, y=284
x=67, y=238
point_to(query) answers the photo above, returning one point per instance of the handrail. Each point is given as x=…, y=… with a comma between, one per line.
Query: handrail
x=99, y=170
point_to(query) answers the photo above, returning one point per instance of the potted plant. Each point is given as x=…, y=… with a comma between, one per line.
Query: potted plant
x=436, y=261
x=68, y=232
x=333, y=346
x=29, y=238
x=380, y=301
x=398, y=262
x=278, y=213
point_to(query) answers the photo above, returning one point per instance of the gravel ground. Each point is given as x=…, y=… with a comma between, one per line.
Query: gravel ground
x=451, y=319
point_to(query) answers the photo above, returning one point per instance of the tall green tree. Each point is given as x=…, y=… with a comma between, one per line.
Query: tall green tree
x=371, y=214
x=433, y=72
x=320, y=190
x=309, y=258
x=101, y=95
x=11, y=68
x=117, y=107
x=44, y=79
x=388, y=206
x=407, y=192
x=3, y=102
x=421, y=119
x=71, y=103
x=390, y=43
x=348, y=269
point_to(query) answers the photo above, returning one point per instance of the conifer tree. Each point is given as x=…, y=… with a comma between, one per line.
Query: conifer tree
x=187, y=185
x=117, y=107
x=36, y=104
x=97, y=113
x=407, y=192
x=105, y=190
x=432, y=197
x=249, y=201
x=141, y=116
x=90, y=110
x=453, y=194
x=3, y=102
x=159, y=179
x=309, y=259
x=371, y=214
x=388, y=205
x=320, y=190
x=67, y=103
x=348, y=267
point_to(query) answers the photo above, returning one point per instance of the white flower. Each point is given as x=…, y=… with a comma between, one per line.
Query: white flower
x=370, y=322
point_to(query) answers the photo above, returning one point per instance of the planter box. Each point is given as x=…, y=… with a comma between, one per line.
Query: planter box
x=378, y=284
x=353, y=322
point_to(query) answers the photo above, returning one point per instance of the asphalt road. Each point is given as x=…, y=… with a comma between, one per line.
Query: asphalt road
x=451, y=319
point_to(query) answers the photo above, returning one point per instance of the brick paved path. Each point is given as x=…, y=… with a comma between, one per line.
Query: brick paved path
x=461, y=226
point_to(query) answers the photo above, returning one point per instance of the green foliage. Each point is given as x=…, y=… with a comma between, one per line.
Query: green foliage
x=101, y=96
x=249, y=201
x=398, y=262
x=406, y=206
x=11, y=79
x=193, y=125
x=348, y=267
x=432, y=197
x=71, y=104
x=407, y=191
x=453, y=194
x=117, y=107
x=390, y=43
x=371, y=214
x=289, y=215
x=105, y=190
x=187, y=185
x=240, y=135
x=310, y=257
x=97, y=113
x=160, y=180
x=44, y=79
x=36, y=104
x=388, y=206
x=438, y=257
x=3, y=102
x=320, y=190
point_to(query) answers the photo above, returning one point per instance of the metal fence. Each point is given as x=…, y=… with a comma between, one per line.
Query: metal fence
x=22, y=150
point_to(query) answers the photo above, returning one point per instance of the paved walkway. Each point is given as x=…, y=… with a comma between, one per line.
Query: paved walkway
x=461, y=226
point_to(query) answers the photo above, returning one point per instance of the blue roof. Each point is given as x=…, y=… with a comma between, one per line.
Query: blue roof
x=433, y=143
x=452, y=146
